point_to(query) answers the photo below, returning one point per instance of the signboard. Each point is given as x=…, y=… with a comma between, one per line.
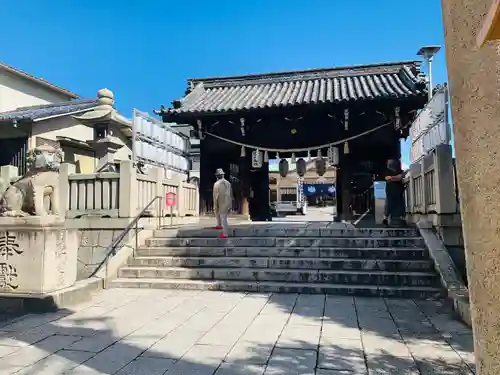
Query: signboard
x=379, y=189
x=333, y=155
x=256, y=159
x=156, y=143
x=318, y=189
x=431, y=126
x=170, y=200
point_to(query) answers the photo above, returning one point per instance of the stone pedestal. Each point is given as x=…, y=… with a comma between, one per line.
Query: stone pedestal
x=38, y=255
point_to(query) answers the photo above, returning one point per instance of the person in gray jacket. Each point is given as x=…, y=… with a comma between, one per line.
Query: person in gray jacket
x=223, y=200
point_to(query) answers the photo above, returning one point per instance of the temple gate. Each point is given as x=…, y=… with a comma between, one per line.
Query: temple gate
x=358, y=113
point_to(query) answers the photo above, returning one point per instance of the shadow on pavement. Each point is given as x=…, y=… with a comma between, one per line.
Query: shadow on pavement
x=388, y=336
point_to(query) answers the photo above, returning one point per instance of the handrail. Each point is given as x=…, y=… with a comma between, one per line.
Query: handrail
x=111, y=249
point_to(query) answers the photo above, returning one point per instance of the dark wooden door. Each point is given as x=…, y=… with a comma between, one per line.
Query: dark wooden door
x=13, y=152
x=259, y=197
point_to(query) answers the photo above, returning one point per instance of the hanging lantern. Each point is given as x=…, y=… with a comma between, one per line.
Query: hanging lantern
x=266, y=157
x=308, y=155
x=346, y=148
x=320, y=166
x=256, y=159
x=333, y=155
x=283, y=167
x=301, y=167
x=293, y=159
x=243, y=153
x=319, y=153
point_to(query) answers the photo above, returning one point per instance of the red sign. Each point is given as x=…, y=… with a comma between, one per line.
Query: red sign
x=170, y=199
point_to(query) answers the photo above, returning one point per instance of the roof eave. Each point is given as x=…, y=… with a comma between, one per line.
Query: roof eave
x=178, y=116
x=193, y=82
x=62, y=114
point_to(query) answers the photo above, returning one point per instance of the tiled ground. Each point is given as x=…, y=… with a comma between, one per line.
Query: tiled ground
x=152, y=332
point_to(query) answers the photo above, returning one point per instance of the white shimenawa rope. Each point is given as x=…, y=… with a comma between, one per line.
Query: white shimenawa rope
x=299, y=149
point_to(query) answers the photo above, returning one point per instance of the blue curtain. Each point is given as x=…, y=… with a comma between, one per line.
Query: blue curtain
x=311, y=190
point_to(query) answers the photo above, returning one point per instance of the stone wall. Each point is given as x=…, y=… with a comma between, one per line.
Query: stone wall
x=95, y=236
x=92, y=249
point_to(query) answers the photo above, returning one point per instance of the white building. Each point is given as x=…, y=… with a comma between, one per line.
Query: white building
x=34, y=112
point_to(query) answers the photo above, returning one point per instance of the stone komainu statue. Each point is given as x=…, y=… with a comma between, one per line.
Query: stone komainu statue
x=37, y=192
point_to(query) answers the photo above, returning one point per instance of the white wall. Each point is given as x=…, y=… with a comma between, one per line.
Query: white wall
x=64, y=126
x=18, y=92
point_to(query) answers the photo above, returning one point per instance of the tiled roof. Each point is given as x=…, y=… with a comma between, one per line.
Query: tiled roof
x=38, y=80
x=366, y=82
x=41, y=111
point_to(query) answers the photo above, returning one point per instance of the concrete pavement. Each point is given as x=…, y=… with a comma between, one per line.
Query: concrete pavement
x=153, y=332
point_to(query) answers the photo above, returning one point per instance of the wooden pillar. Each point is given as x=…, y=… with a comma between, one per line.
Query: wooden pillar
x=346, y=190
x=343, y=187
x=245, y=186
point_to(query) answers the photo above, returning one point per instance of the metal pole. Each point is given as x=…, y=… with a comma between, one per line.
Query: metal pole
x=136, y=237
x=134, y=135
x=429, y=67
x=171, y=215
x=278, y=189
x=335, y=205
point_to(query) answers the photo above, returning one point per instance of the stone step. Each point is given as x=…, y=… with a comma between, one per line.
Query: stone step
x=408, y=242
x=283, y=275
x=296, y=252
x=280, y=287
x=393, y=265
x=287, y=231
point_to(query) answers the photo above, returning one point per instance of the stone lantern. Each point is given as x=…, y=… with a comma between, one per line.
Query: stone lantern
x=102, y=119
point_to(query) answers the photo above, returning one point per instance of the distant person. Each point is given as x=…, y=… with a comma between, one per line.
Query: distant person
x=222, y=202
x=395, y=209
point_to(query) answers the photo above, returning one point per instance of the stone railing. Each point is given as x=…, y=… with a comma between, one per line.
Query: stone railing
x=430, y=184
x=431, y=194
x=93, y=194
x=118, y=195
x=99, y=207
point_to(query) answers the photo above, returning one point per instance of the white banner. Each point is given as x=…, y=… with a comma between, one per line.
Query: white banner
x=157, y=143
x=431, y=127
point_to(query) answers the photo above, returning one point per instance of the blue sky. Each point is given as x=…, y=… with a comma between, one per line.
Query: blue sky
x=145, y=50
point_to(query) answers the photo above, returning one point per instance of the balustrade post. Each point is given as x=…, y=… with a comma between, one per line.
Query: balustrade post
x=159, y=175
x=127, y=189
x=65, y=170
x=446, y=202
x=425, y=191
x=415, y=172
x=197, y=200
x=181, y=206
x=9, y=172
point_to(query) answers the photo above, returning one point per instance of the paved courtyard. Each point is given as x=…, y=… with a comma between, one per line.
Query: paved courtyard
x=152, y=332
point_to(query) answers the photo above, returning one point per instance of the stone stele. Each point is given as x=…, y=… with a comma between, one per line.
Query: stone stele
x=38, y=255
